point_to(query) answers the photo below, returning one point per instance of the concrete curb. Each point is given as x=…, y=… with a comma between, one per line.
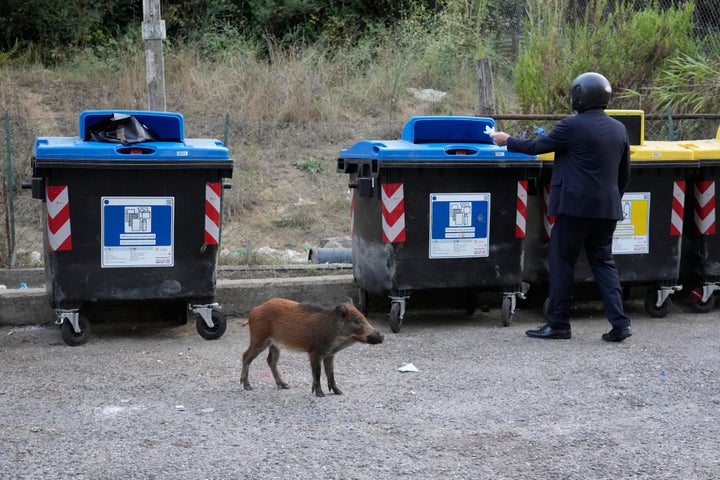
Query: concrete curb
x=29, y=306
x=238, y=297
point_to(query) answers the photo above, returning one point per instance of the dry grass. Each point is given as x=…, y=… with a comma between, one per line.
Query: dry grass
x=298, y=106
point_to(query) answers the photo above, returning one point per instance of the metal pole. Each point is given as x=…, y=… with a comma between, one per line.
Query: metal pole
x=671, y=130
x=153, y=33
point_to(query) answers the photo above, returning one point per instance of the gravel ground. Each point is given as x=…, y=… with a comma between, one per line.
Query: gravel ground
x=151, y=401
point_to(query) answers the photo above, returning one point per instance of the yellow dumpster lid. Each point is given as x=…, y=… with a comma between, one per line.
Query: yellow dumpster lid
x=660, y=151
x=547, y=156
x=703, y=149
x=706, y=149
x=634, y=121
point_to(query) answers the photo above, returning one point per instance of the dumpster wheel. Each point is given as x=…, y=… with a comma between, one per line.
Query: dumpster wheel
x=397, y=310
x=702, y=300
x=70, y=336
x=507, y=310
x=214, y=332
x=702, y=307
x=395, y=318
x=653, y=310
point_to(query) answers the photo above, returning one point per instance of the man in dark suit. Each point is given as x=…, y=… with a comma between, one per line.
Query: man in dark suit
x=590, y=173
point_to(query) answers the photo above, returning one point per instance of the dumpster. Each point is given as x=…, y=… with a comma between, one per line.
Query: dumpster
x=700, y=263
x=133, y=219
x=441, y=208
x=647, y=244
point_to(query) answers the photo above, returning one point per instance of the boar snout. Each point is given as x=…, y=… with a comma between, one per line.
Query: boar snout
x=374, y=338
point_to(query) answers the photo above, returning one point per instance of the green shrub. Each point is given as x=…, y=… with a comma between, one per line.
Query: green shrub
x=311, y=165
x=689, y=85
x=627, y=45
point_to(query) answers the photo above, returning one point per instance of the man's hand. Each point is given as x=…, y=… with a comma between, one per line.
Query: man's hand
x=500, y=138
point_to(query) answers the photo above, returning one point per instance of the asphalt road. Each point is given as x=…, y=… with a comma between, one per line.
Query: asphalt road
x=158, y=402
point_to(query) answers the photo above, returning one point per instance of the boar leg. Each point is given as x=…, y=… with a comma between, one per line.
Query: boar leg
x=273, y=357
x=330, y=373
x=315, y=366
x=247, y=358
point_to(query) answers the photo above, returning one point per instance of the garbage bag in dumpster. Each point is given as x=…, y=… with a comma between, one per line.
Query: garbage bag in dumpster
x=443, y=207
x=647, y=242
x=700, y=264
x=131, y=224
x=120, y=128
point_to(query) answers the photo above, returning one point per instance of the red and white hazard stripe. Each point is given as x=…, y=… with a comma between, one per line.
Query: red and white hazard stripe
x=704, y=208
x=212, y=213
x=393, y=213
x=548, y=220
x=678, y=204
x=57, y=201
x=521, y=216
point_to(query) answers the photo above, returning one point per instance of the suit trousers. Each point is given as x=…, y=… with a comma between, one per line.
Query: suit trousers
x=568, y=237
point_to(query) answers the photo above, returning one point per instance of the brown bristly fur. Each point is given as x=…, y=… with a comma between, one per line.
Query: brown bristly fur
x=319, y=331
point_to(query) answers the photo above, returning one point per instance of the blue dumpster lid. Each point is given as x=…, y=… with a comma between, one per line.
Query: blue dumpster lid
x=448, y=129
x=170, y=151
x=439, y=141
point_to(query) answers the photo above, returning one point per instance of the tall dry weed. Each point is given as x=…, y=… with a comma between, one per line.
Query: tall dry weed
x=275, y=108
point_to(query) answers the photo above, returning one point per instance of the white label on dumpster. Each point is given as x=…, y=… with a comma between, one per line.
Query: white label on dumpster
x=137, y=231
x=459, y=225
x=632, y=233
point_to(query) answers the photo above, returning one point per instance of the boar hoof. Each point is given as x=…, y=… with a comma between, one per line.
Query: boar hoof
x=283, y=385
x=247, y=387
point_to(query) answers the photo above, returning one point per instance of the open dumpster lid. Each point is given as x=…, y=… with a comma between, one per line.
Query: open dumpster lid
x=171, y=150
x=440, y=141
x=169, y=126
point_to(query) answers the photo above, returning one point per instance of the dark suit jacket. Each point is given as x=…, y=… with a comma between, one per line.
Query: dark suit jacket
x=592, y=164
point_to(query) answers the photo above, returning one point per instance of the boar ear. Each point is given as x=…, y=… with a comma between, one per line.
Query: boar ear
x=349, y=300
x=342, y=310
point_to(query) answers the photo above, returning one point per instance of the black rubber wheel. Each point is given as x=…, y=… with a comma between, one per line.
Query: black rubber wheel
x=73, y=338
x=220, y=324
x=395, y=320
x=703, y=307
x=506, y=311
x=655, y=311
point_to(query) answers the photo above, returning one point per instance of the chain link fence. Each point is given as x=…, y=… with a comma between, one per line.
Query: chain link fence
x=22, y=218
x=657, y=126
x=707, y=13
x=515, y=12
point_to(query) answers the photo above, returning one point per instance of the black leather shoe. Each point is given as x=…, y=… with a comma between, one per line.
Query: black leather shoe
x=548, y=332
x=617, y=335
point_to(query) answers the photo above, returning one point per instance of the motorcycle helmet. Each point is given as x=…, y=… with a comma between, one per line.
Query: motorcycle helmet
x=590, y=90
